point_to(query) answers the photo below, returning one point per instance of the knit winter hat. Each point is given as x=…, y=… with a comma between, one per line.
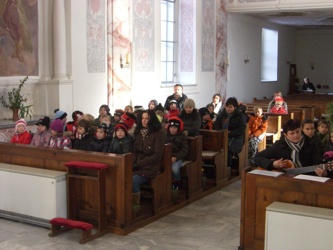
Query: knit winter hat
x=45, y=121
x=104, y=127
x=129, y=119
x=57, y=126
x=21, y=122
x=177, y=122
x=278, y=99
x=159, y=107
x=189, y=103
x=122, y=126
x=232, y=101
x=59, y=114
x=118, y=112
x=203, y=111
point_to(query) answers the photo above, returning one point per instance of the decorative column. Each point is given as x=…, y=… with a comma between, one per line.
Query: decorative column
x=59, y=40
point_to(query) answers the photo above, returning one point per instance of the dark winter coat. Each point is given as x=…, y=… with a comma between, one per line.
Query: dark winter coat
x=180, y=102
x=99, y=145
x=148, y=153
x=192, y=122
x=236, y=128
x=179, y=145
x=309, y=154
x=83, y=143
x=121, y=146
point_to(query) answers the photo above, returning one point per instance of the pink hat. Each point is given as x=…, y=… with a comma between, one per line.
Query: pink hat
x=57, y=126
x=21, y=122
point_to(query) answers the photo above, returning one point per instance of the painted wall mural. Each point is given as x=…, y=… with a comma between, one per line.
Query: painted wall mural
x=143, y=34
x=221, y=49
x=186, y=35
x=119, y=45
x=18, y=37
x=208, y=17
x=96, y=35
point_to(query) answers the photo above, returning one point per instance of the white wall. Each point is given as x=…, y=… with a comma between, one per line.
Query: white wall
x=315, y=47
x=244, y=38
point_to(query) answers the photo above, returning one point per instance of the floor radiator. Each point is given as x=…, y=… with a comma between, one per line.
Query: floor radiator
x=32, y=195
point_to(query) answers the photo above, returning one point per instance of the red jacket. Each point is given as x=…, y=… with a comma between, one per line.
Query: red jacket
x=23, y=138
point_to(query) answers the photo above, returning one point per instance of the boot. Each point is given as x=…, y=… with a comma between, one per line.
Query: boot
x=136, y=202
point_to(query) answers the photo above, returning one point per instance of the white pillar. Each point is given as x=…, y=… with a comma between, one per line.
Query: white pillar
x=59, y=40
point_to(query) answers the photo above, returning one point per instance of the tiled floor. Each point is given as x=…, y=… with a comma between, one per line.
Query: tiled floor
x=210, y=223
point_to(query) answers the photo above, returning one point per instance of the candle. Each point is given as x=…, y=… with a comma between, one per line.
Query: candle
x=127, y=58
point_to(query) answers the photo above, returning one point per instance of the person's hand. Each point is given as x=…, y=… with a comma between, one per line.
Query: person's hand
x=280, y=164
x=321, y=172
x=185, y=132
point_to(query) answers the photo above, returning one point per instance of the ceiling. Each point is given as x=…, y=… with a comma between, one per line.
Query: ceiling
x=308, y=19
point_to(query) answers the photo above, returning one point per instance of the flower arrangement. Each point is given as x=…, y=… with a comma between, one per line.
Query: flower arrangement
x=16, y=101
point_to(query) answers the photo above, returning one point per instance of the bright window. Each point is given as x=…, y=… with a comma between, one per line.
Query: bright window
x=168, y=41
x=269, y=55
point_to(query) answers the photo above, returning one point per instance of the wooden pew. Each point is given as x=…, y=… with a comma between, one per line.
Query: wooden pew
x=215, y=149
x=259, y=191
x=191, y=167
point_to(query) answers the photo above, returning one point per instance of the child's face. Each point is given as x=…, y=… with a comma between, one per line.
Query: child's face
x=102, y=111
x=229, y=109
x=210, y=109
x=278, y=104
x=120, y=133
x=188, y=110
x=116, y=118
x=216, y=99
x=308, y=129
x=81, y=130
x=106, y=121
x=173, y=130
x=20, y=128
x=258, y=112
x=323, y=129
x=151, y=105
x=41, y=128
x=100, y=134
x=54, y=133
x=173, y=106
x=128, y=109
x=205, y=117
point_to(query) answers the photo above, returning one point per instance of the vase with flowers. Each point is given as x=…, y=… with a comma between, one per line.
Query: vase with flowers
x=15, y=102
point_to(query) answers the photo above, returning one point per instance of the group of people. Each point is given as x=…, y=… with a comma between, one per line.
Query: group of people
x=144, y=132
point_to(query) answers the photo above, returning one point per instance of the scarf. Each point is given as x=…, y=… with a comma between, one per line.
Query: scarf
x=144, y=132
x=295, y=149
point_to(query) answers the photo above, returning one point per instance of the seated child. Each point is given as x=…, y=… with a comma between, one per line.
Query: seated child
x=100, y=142
x=103, y=110
x=179, y=147
x=323, y=131
x=152, y=104
x=84, y=135
x=58, y=140
x=21, y=134
x=308, y=129
x=121, y=143
x=257, y=128
x=129, y=109
x=116, y=117
x=206, y=121
x=107, y=120
x=173, y=110
x=43, y=135
x=62, y=116
x=71, y=126
x=212, y=114
x=130, y=120
x=278, y=107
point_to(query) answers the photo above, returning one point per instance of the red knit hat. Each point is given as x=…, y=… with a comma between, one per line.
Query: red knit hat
x=122, y=126
x=175, y=121
x=278, y=99
x=129, y=119
x=21, y=122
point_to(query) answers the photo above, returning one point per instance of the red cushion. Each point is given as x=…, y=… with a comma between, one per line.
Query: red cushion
x=85, y=164
x=71, y=223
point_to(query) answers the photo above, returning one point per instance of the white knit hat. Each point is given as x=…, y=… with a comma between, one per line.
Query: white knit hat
x=21, y=122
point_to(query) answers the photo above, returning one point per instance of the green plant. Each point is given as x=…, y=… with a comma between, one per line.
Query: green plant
x=16, y=100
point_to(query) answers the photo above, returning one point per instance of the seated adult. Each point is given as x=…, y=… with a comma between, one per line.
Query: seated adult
x=232, y=119
x=217, y=102
x=308, y=86
x=178, y=96
x=191, y=118
x=272, y=102
x=293, y=149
